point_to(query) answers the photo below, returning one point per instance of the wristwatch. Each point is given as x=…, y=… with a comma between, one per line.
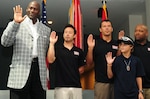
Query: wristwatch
x=141, y=91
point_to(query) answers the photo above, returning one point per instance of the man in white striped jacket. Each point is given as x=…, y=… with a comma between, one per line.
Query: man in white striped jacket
x=30, y=41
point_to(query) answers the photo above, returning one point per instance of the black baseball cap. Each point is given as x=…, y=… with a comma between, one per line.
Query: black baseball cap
x=126, y=40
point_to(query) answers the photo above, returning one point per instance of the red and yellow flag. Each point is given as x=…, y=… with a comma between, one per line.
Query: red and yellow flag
x=104, y=11
x=75, y=18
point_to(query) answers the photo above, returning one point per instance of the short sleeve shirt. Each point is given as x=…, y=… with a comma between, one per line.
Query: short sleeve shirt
x=125, y=86
x=100, y=50
x=143, y=52
x=67, y=66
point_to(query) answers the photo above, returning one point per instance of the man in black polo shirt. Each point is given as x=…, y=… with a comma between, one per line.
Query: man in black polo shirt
x=96, y=54
x=69, y=64
x=142, y=50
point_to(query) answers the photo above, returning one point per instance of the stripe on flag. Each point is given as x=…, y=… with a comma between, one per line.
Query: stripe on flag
x=44, y=20
x=75, y=18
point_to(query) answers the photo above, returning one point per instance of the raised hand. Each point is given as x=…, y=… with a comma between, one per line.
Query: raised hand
x=90, y=41
x=109, y=58
x=18, y=14
x=53, y=37
x=121, y=34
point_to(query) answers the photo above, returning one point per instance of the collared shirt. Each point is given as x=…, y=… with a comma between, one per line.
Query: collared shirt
x=100, y=50
x=34, y=34
x=67, y=66
x=143, y=52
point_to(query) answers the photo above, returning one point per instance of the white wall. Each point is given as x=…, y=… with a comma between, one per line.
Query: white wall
x=133, y=21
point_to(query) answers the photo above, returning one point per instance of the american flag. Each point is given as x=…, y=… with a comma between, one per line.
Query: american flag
x=44, y=20
x=44, y=17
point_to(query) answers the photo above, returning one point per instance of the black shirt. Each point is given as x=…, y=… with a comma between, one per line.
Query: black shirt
x=143, y=52
x=125, y=85
x=67, y=66
x=100, y=50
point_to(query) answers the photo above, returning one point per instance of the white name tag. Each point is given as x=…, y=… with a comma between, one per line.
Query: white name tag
x=76, y=53
x=148, y=49
x=114, y=47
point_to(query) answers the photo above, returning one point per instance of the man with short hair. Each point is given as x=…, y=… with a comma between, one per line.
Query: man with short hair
x=142, y=50
x=70, y=61
x=96, y=55
x=30, y=40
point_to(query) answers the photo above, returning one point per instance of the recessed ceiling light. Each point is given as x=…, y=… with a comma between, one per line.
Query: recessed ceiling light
x=50, y=22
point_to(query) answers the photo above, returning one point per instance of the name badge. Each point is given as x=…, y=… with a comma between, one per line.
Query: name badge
x=76, y=53
x=114, y=47
x=148, y=49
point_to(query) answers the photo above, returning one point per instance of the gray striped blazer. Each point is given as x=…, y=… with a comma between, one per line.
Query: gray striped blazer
x=19, y=36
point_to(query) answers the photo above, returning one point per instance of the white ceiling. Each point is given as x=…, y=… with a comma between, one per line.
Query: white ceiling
x=57, y=10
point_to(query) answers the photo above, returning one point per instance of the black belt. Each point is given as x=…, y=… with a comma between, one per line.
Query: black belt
x=35, y=59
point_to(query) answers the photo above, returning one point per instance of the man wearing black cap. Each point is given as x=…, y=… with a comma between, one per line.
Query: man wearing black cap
x=127, y=71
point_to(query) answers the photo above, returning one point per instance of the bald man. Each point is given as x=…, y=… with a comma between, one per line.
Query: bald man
x=142, y=50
